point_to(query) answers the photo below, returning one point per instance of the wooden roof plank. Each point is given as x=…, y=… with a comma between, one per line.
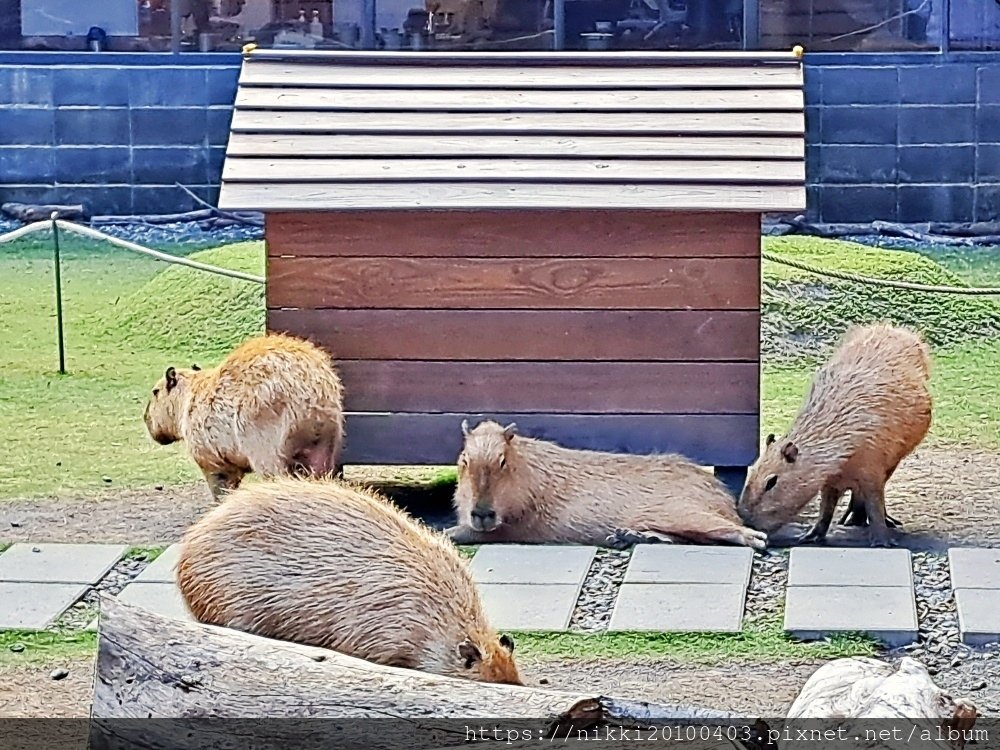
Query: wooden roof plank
x=387, y=146
x=607, y=170
x=536, y=58
x=501, y=195
x=334, y=99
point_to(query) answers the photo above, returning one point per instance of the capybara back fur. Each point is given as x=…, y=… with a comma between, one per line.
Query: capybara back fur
x=867, y=408
x=518, y=489
x=325, y=564
x=274, y=406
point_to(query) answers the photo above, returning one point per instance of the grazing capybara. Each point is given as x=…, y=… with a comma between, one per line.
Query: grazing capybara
x=867, y=409
x=517, y=489
x=274, y=406
x=325, y=564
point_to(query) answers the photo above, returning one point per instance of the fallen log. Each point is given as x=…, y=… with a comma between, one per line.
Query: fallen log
x=209, y=687
x=878, y=706
x=186, y=216
x=41, y=212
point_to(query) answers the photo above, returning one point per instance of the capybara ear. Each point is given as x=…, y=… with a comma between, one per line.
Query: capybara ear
x=770, y=439
x=195, y=368
x=171, y=376
x=509, y=431
x=465, y=427
x=790, y=452
x=470, y=652
x=507, y=642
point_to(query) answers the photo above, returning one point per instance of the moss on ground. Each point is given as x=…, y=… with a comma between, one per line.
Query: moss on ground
x=804, y=314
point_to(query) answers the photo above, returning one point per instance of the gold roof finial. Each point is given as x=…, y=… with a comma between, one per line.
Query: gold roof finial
x=798, y=50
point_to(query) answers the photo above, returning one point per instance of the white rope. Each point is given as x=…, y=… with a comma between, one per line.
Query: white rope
x=40, y=226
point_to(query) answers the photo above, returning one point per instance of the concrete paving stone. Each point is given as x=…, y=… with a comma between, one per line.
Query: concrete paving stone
x=887, y=613
x=668, y=563
x=532, y=563
x=59, y=563
x=35, y=606
x=974, y=568
x=679, y=607
x=817, y=566
x=978, y=615
x=161, y=570
x=161, y=598
x=518, y=606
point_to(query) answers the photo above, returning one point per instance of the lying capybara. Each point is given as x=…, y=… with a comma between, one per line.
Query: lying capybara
x=274, y=406
x=324, y=564
x=518, y=489
x=867, y=409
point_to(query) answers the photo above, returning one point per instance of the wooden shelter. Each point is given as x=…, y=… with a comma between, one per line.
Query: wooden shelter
x=568, y=241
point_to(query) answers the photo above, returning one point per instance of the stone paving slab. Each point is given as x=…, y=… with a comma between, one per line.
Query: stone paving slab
x=59, y=563
x=978, y=615
x=672, y=607
x=161, y=570
x=520, y=606
x=35, y=606
x=668, y=563
x=974, y=568
x=532, y=563
x=817, y=566
x=162, y=598
x=887, y=613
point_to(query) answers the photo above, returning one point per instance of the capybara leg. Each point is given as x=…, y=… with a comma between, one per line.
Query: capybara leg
x=827, y=505
x=743, y=536
x=857, y=515
x=222, y=482
x=878, y=530
x=622, y=538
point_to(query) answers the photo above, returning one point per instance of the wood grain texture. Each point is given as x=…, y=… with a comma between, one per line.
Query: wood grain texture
x=235, y=196
x=569, y=387
x=436, y=439
x=558, y=59
x=447, y=100
x=485, y=123
x=484, y=234
x=282, y=73
x=514, y=335
x=583, y=146
x=732, y=171
x=521, y=283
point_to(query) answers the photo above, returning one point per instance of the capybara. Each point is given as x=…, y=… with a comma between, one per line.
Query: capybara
x=325, y=564
x=518, y=489
x=868, y=407
x=274, y=406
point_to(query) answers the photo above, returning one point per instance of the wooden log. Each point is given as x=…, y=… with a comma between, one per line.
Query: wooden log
x=29, y=213
x=868, y=699
x=154, y=667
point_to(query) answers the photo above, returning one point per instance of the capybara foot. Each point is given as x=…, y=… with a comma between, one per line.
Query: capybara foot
x=881, y=538
x=622, y=538
x=753, y=538
x=858, y=516
x=815, y=535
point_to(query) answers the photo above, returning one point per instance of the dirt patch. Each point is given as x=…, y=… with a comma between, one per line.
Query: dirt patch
x=943, y=496
x=28, y=691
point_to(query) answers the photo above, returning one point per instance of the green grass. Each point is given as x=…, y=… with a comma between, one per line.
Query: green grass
x=144, y=553
x=128, y=318
x=45, y=646
x=761, y=641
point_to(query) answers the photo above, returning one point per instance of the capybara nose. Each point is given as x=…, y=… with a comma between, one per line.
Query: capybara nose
x=484, y=520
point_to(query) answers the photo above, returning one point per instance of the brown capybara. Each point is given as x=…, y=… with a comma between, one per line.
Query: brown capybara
x=867, y=409
x=517, y=489
x=274, y=406
x=321, y=563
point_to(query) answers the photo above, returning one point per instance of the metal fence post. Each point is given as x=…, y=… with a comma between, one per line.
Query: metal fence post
x=59, y=305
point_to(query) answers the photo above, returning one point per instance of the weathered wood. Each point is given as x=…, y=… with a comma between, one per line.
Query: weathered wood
x=266, y=73
x=610, y=335
x=484, y=234
x=484, y=123
x=572, y=387
x=445, y=144
x=154, y=667
x=515, y=283
x=732, y=171
x=28, y=212
x=859, y=696
x=506, y=195
x=436, y=439
x=446, y=100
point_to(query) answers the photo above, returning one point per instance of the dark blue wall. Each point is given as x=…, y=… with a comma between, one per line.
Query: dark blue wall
x=896, y=137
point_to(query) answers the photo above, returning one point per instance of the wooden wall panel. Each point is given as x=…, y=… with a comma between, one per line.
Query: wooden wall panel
x=607, y=335
x=492, y=234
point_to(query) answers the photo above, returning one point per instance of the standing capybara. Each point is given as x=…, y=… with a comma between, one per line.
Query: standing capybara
x=274, y=406
x=867, y=409
x=517, y=489
x=324, y=564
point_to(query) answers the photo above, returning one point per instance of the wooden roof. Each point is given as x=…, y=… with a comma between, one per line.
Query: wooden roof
x=369, y=130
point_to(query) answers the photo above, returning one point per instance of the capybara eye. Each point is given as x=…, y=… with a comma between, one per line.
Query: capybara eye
x=156, y=391
x=503, y=461
x=771, y=481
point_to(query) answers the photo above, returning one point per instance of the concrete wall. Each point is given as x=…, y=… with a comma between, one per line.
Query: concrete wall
x=896, y=137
